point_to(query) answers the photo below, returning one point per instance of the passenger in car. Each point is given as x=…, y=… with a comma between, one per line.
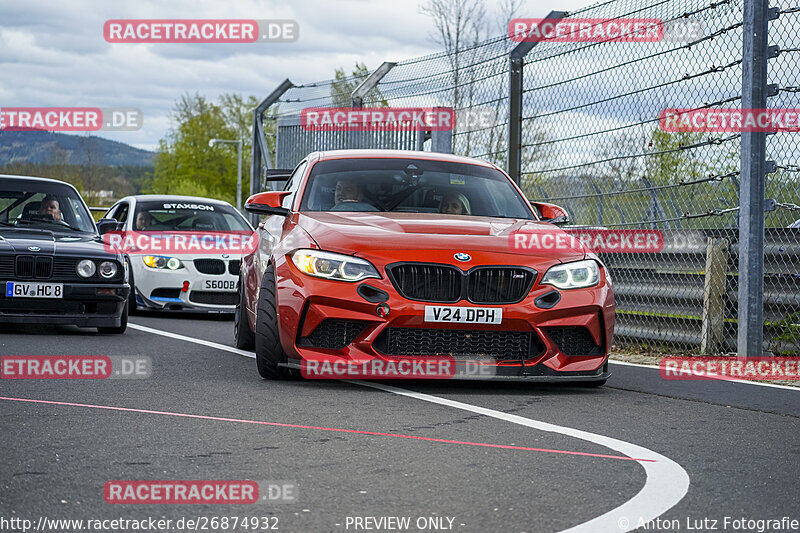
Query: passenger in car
x=454, y=203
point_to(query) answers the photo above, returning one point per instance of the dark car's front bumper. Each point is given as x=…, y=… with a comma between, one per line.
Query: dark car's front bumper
x=83, y=304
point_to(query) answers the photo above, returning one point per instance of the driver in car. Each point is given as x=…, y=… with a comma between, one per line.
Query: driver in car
x=49, y=206
x=143, y=220
x=347, y=191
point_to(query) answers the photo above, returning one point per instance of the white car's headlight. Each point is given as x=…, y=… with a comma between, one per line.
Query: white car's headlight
x=575, y=275
x=161, y=262
x=333, y=266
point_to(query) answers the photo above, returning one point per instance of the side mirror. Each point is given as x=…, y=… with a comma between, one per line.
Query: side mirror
x=104, y=225
x=267, y=203
x=552, y=213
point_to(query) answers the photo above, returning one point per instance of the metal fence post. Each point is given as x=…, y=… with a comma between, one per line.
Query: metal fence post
x=442, y=141
x=369, y=83
x=363, y=89
x=260, y=149
x=516, y=62
x=750, y=335
x=714, y=296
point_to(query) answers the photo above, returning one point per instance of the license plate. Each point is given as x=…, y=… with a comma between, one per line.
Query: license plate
x=464, y=315
x=221, y=284
x=16, y=289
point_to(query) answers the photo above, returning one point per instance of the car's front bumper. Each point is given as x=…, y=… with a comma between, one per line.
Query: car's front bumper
x=306, y=302
x=83, y=304
x=163, y=289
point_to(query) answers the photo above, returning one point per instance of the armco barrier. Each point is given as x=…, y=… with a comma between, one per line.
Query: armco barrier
x=665, y=298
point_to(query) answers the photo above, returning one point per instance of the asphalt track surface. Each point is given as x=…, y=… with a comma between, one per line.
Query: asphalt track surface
x=683, y=451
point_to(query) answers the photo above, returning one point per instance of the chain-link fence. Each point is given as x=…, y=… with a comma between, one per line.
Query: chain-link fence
x=591, y=142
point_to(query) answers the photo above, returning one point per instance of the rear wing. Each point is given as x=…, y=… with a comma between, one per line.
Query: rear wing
x=278, y=174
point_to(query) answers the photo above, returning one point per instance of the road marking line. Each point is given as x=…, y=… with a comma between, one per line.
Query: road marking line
x=251, y=355
x=666, y=485
x=667, y=482
x=210, y=344
x=300, y=426
x=733, y=380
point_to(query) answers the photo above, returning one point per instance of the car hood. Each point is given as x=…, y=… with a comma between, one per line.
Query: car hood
x=18, y=241
x=369, y=232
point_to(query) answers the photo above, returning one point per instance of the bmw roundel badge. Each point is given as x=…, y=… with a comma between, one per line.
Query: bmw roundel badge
x=461, y=256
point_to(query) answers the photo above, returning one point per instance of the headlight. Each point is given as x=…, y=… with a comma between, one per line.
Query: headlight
x=108, y=269
x=333, y=266
x=161, y=262
x=573, y=275
x=86, y=268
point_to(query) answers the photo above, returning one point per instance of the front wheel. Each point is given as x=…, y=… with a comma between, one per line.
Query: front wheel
x=269, y=352
x=132, y=307
x=243, y=335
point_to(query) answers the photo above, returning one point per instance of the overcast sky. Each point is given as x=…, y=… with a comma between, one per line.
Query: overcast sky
x=53, y=53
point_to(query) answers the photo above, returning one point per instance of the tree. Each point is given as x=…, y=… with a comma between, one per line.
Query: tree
x=459, y=24
x=460, y=28
x=343, y=86
x=185, y=164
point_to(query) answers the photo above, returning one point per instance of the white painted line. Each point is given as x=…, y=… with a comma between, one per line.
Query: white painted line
x=626, y=363
x=666, y=485
x=732, y=380
x=210, y=344
x=667, y=482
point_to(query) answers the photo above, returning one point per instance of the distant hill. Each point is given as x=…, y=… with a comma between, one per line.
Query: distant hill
x=59, y=148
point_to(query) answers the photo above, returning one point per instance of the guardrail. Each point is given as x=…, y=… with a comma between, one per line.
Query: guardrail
x=687, y=293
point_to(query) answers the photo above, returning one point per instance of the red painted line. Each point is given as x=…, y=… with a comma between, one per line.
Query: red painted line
x=298, y=426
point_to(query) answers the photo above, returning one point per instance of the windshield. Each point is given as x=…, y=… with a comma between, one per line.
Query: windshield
x=412, y=186
x=167, y=215
x=43, y=205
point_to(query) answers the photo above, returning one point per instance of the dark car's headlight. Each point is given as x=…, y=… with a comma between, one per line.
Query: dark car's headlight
x=86, y=268
x=333, y=266
x=575, y=275
x=108, y=269
x=161, y=262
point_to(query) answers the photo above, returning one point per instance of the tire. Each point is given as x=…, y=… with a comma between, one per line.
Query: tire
x=243, y=335
x=117, y=330
x=132, y=307
x=269, y=352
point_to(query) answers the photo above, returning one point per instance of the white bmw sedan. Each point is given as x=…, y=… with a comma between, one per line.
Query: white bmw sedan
x=179, y=251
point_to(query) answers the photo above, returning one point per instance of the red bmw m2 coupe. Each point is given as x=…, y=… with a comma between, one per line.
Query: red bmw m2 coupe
x=385, y=257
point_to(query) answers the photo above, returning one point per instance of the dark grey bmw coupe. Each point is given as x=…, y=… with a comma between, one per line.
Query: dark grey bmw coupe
x=54, y=268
